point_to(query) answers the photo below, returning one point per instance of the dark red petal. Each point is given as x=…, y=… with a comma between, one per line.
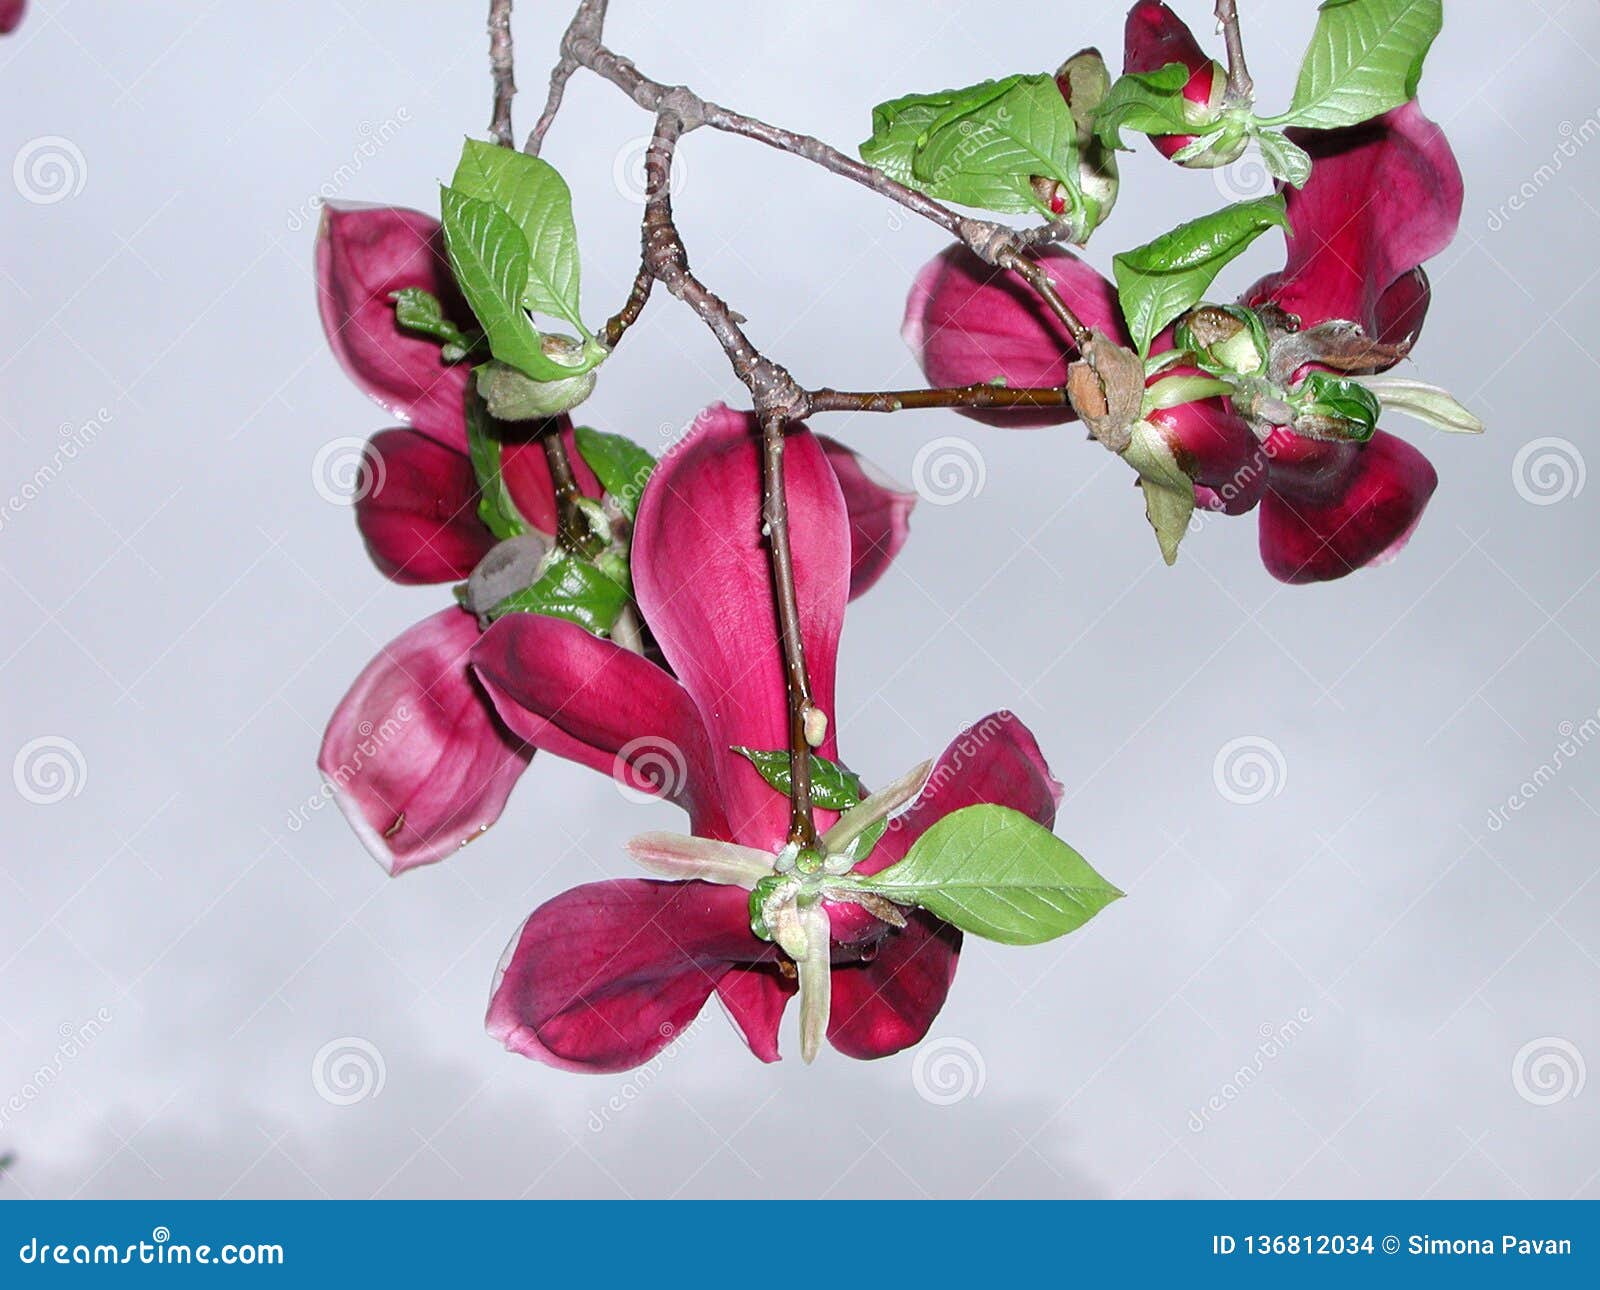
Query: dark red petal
x=11, y=12
x=1216, y=448
x=1383, y=197
x=606, y=975
x=364, y=254
x=702, y=573
x=590, y=700
x=1338, y=522
x=419, y=518
x=882, y=1006
x=880, y=514
x=755, y=998
x=414, y=754
x=969, y=323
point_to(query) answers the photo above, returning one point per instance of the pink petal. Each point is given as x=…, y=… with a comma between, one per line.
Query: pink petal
x=590, y=700
x=1335, y=522
x=606, y=975
x=526, y=470
x=413, y=754
x=420, y=517
x=1154, y=36
x=1383, y=197
x=880, y=514
x=11, y=12
x=702, y=575
x=969, y=323
x=888, y=1003
x=755, y=998
x=365, y=253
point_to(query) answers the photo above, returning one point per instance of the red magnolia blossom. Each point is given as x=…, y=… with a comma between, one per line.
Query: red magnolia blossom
x=1155, y=36
x=414, y=754
x=604, y=976
x=1383, y=197
x=11, y=12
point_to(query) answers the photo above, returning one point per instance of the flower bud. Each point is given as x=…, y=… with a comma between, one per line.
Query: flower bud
x=1084, y=83
x=1155, y=37
x=515, y=396
x=1224, y=339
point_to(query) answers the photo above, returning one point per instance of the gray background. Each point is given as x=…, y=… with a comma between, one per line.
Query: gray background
x=184, y=608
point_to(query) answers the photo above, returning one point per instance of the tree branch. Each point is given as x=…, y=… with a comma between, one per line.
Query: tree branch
x=500, y=66
x=1240, y=87
x=960, y=396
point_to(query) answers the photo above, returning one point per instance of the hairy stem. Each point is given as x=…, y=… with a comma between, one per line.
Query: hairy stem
x=500, y=66
x=1240, y=87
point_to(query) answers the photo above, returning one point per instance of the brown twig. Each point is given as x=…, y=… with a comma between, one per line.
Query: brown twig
x=797, y=684
x=1045, y=287
x=959, y=396
x=500, y=66
x=1240, y=87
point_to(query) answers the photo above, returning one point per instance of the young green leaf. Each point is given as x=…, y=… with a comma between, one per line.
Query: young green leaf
x=1162, y=279
x=495, y=506
x=419, y=311
x=532, y=192
x=987, y=150
x=571, y=588
x=1365, y=57
x=489, y=256
x=622, y=466
x=994, y=872
x=833, y=787
x=1168, y=491
x=1151, y=103
x=1438, y=407
x=1284, y=158
x=899, y=128
x=1336, y=407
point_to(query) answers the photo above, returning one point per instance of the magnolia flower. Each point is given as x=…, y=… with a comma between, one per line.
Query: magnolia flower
x=1153, y=37
x=414, y=754
x=602, y=977
x=1382, y=197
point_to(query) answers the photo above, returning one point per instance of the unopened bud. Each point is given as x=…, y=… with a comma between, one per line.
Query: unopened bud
x=816, y=725
x=516, y=396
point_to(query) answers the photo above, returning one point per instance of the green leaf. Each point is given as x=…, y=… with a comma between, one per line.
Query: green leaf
x=1335, y=407
x=1438, y=407
x=994, y=872
x=986, y=150
x=833, y=787
x=1364, y=58
x=419, y=311
x=489, y=256
x=1161, y=279
x=899, y=128
x=571, y=588
x=536, y=198
x=1284, y=158
x=1151, y=103
x=622, y=466
x=1168, y=490
x=495, y=505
